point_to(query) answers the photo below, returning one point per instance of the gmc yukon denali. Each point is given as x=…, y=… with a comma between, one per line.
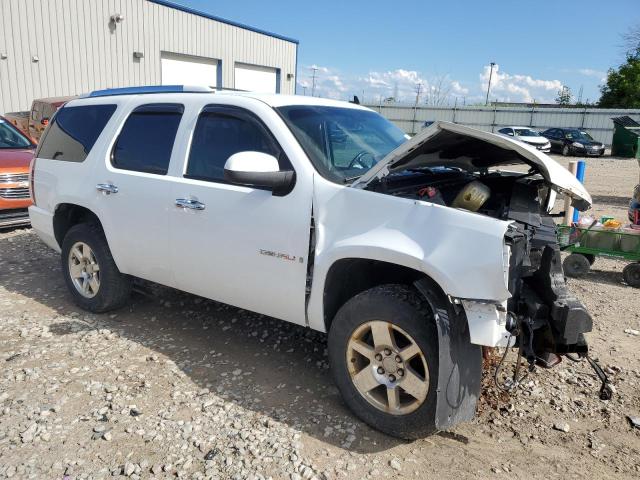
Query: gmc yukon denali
x=411, y=254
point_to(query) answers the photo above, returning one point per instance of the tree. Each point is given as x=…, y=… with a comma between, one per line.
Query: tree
x=622, y=89
x=564, y=96
x=631, y=40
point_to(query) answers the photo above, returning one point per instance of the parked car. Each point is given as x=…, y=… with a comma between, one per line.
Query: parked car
x=573, y=141
x=410, y=254
x=16, y=152
x=528, y=136
x=36, y=120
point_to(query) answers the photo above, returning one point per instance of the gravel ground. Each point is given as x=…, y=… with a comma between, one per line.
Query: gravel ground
x=177, y=386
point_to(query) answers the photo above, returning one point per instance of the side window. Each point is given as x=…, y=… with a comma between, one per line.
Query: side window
x=146, y=140
x=221, y=132
x=506, y=131
x=73, y=132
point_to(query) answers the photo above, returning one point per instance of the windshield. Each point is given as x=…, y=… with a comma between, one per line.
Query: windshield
x=578, y=135
x=525, y=132
x=10, y=137
x=342, y=143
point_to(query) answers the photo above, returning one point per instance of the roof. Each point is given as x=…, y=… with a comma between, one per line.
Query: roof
x=200, y=13
x=271, y=99
x=625, y=121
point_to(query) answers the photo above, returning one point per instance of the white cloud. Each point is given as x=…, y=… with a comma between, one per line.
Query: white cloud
x=590, y=72
x=375, y=85
x=518, y=88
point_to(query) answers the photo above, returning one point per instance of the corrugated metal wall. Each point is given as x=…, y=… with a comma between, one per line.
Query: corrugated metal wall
x=596, y=121
x=80, y=50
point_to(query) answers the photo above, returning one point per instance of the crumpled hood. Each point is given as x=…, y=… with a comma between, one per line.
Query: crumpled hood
x=454, y=145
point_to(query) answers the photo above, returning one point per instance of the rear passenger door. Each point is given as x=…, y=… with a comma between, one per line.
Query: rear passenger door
x=133, y=190
x=239, y=245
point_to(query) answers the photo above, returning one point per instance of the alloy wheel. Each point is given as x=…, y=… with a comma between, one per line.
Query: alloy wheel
x=387, y=367
x=84, y=270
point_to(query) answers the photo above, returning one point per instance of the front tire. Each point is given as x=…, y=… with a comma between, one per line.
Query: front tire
x=566, y=151
x=383, y=351
x=91, y=275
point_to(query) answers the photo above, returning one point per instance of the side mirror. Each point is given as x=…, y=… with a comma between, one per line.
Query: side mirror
x=256, y=169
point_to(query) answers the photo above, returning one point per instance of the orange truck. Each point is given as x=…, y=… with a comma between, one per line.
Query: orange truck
x=16, y=152
x=34, y=122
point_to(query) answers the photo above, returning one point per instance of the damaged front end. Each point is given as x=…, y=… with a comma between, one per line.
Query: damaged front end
x=460, y=167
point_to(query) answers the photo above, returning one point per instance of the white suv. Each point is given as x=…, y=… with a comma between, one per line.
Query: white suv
x=411, y=254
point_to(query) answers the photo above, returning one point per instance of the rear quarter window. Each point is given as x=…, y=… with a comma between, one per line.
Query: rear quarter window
x=73, y=132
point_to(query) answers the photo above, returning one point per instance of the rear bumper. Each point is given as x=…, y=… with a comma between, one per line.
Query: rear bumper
x=42, y=224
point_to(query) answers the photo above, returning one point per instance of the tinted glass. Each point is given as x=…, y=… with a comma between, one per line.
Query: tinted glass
x=505, y=131
x=146, y=140
x=342, y=143
x=10, y=137
x=526, y=132
x=220, y=134
x=73, y=132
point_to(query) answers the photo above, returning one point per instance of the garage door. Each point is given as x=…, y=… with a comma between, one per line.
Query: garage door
x=256, y=79
x=180, y=69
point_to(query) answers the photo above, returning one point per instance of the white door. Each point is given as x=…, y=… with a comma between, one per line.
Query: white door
x=180, y=69
x=133, y=191
x=240, y=245
x=253, y=78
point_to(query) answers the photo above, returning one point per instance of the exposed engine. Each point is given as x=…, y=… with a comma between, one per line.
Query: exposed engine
x=544, y=316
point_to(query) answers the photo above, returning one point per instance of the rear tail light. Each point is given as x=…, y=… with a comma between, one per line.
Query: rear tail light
x=32, y=171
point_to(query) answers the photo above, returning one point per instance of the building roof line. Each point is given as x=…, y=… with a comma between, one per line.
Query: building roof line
x=193, y=11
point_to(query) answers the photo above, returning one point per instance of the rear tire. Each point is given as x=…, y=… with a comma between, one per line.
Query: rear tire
x=91, y=275
x=631, y=275
x=400, y=398
x=576, y=265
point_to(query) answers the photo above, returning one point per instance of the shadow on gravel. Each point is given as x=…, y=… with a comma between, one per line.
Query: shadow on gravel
x=289, y=381
x=614, y=200
x=604, y=276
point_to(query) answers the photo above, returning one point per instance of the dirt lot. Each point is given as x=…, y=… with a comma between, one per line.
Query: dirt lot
x=174, y=385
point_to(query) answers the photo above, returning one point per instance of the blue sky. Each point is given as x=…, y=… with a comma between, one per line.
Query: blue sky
x=377, y=48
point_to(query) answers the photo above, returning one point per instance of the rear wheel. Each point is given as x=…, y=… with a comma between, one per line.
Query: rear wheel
x=631, y=274
x=91, y=275
x=383, y=350
x=576, y=265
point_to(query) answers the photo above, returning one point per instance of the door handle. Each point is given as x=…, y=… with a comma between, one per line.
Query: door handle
x=189, y=203
x=107, y=188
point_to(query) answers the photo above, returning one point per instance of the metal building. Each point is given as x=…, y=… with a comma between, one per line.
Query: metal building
x=66, y=47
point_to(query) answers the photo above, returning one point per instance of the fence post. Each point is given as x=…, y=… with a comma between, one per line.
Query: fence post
x=455, y=105
x=493, y=122
x=533, y=108
x=413, y=122
x=584, y=114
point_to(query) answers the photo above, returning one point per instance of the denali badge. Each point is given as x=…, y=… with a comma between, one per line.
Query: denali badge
x=283, y=256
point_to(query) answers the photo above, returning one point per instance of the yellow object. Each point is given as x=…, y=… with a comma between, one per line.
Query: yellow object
x=472, y=196
x=612, y=224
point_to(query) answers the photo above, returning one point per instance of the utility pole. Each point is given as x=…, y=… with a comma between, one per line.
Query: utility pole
x=486, y=102
x=418, y=91
x=304, y=90
x=313, y=81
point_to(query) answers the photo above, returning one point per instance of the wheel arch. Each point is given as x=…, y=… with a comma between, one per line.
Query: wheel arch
x=66, y=215
x=347, y=277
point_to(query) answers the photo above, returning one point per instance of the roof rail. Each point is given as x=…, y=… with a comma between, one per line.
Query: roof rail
x=149, y=89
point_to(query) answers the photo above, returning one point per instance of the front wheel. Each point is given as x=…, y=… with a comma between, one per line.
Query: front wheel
x=383, y=350
x=566, y=151
x=576, y=265
x=91, y=275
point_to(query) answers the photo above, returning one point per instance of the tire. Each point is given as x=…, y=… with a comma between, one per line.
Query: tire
x=576, y=265
x=113, y=288
x=631, y=275
x=566, y=151
x=410, y=318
